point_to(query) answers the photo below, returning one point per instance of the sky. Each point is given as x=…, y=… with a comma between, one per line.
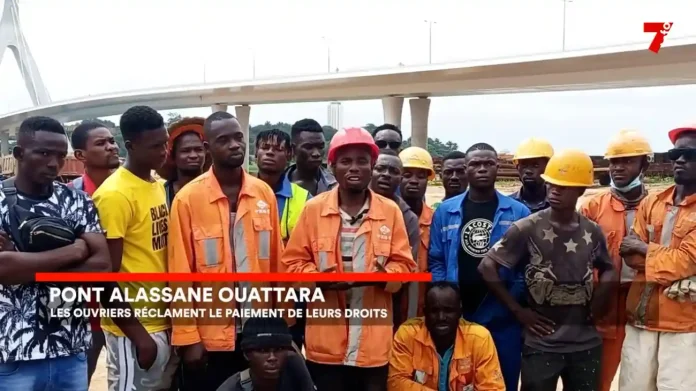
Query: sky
x=90, y=47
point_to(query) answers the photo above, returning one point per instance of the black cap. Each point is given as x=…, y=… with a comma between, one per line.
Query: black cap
x=264, y=333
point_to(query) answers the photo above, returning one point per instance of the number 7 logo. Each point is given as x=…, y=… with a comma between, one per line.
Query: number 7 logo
x=661, y=29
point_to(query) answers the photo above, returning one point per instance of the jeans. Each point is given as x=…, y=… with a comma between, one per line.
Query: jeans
x=579, y=371
x=51, y=374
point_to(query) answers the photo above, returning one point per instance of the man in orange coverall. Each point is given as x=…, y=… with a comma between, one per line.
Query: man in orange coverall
x=660, y=341
x=442, y=351
x=224, y=221
x=350, y=229
x=614, y=211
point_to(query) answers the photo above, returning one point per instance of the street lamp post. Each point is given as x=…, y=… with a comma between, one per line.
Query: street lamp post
x=328, y=54
x=565, y=3
x=430, y=39
x=253, y=63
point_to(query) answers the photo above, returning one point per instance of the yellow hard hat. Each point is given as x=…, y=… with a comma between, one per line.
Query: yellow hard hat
x=532, y=148
x=628, y=143
x=570, y=167
x=416, y=157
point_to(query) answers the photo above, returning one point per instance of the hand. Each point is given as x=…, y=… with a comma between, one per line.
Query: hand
x=195, y=355
x=632, y=244
x=146, y=353
x=536, y=324
x=81, y=248
x=635, y=262
x=5, y=242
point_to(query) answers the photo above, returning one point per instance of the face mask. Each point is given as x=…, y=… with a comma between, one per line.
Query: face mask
x=638, y=181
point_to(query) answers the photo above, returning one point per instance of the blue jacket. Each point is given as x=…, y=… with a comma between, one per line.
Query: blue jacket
x=443, y=254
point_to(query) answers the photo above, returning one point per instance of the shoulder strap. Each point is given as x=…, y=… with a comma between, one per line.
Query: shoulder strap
x=245, y=381
x=8, y=187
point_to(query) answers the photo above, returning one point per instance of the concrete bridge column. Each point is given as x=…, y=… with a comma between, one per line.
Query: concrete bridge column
x=420, y=108
x=393, y=107
x=5, y=142
x=219, y=107
x=242, y=112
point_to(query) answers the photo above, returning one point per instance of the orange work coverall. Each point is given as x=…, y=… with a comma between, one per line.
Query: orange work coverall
x=670, y=232
x=661, y=335
x=414, y=364
x=414, y=299
x=202, y=239
x=381, y=245
x=611, y=216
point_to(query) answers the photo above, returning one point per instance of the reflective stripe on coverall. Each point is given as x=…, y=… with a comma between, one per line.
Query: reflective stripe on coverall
x=660, y=342
x=613, y=218
x=414, y=362
x=200, y=232
x=381, y=245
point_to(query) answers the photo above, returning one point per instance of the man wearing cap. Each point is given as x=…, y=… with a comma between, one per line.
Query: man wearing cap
x=418, y=170
x=614, y=211
x=350, y=229
x=530, y=159
x=187, y=158
x=660, y=341
x=273, y=363
x=558, y=249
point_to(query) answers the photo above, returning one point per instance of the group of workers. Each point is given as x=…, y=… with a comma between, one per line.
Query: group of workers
x=527, y=284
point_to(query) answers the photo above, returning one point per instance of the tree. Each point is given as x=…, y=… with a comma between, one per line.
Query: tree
x=436, y=148
x=370, y=127
x=173, y=117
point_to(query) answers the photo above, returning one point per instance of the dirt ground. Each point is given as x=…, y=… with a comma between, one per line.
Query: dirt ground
x=434, y=194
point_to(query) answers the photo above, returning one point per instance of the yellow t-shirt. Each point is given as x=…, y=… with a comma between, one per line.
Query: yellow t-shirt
x=136, y=211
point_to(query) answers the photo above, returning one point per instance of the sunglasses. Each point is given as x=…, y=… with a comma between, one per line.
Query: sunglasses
x=689, y=154
x=381, y=144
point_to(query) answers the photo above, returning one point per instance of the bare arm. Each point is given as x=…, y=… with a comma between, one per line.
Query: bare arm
x=98, y=260
x=608, y=277
x=129, y=325
x=21, y=267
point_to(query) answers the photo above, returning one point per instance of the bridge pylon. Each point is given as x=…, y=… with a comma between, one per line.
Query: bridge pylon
x=11, y=37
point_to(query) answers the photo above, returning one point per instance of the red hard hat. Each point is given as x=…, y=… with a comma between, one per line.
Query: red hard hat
x=675, y=133
x=352, y=136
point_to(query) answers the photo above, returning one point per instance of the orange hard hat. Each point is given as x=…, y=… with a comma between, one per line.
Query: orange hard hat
x=352, y=137
x=675, y=133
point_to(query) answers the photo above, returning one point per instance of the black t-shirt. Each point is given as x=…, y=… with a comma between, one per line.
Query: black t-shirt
x=475, y=238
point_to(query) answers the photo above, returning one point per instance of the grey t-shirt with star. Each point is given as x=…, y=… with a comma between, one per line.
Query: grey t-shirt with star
x=558, y=273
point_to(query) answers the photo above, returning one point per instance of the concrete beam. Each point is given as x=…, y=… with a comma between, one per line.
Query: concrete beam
x=393, y=107
x=219, y=107
x=420, y=109
x=242, y=114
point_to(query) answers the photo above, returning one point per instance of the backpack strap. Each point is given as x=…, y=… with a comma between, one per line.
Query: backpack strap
x=245, y=380
x=10, y=191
